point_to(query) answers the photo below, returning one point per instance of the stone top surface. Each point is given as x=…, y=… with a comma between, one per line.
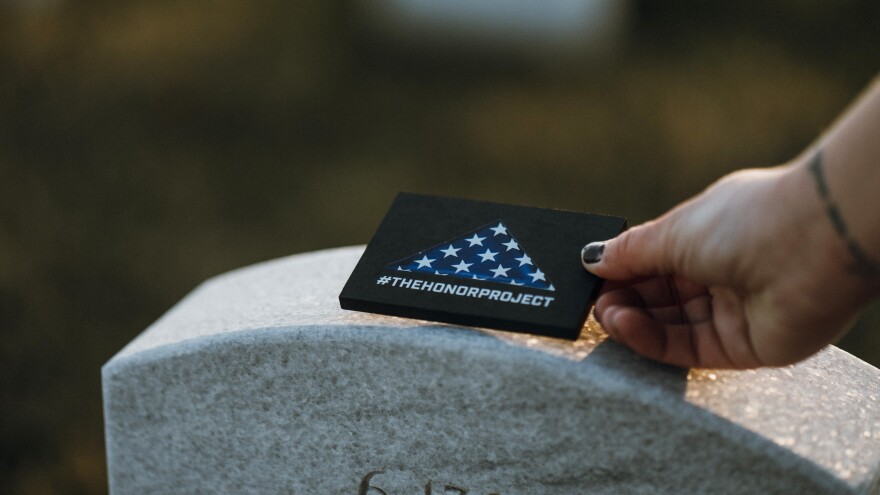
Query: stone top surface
x=825, y=410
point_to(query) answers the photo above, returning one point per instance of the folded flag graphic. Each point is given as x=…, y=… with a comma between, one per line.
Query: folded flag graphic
x=500, y=266
x=489, y=253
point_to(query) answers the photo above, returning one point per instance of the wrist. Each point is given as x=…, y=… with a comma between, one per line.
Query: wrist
x=824, y=240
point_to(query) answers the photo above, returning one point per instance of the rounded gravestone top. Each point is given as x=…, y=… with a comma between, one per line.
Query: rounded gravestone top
x=258, y=382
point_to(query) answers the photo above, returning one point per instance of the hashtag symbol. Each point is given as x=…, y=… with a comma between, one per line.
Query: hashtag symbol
x=383, y=280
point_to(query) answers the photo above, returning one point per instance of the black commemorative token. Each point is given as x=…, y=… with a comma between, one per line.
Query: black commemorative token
x=480, y=264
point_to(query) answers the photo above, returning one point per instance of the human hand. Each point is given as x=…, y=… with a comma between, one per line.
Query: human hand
x=749, y=273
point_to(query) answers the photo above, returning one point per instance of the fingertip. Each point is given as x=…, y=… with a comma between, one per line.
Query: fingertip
x=605, y=317
x=639, y=331
x=591, y=255
x=639, y=252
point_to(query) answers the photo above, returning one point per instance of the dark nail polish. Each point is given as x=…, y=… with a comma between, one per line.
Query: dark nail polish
x=592, y=253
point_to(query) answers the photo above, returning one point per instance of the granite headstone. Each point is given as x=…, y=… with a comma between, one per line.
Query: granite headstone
x=258, y=382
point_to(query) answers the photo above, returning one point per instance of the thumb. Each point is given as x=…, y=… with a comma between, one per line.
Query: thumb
x=642, y=251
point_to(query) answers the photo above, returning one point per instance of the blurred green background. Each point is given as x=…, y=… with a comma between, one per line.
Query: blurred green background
x=147, y=146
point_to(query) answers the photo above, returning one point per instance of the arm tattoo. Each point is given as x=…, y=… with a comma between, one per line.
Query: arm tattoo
x=861, y=264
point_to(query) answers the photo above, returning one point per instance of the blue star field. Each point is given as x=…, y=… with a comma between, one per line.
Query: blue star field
x=488, y=253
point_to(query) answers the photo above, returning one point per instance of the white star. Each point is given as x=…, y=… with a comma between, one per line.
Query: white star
x=450, y=251
x=500, y=229
x=437, y=272
x=511, y=245
x=500, y=271
x=476, y=240
x=400, y=269
x=551, y=287
x=513, y=282
x=538, y=275
x=424, y=262
x=488, y=255
x=525, y=260
x=476, y=277
x=462, y=266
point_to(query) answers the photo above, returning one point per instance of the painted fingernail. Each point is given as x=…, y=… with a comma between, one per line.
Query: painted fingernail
x=592, y=253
